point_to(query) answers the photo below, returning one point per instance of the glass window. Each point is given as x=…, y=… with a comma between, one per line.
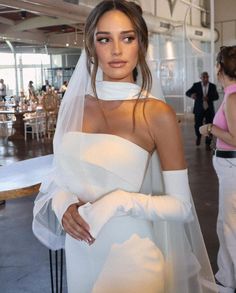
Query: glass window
x=7, y=59
x=36, y=59
x=33, y=74
x=8, y=74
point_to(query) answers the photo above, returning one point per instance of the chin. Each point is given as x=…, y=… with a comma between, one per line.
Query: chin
x=119, y=78
x=118, y=75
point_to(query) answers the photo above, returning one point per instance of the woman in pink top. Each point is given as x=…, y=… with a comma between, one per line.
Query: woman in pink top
x=224, y=161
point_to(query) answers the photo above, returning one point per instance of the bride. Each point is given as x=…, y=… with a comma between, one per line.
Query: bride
x=118, y=198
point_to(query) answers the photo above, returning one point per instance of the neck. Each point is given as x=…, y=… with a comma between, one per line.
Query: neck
x=227, y=83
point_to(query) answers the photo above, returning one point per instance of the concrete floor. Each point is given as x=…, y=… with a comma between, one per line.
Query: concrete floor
x=24, y=262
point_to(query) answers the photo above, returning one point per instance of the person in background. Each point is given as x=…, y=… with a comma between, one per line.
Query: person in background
x=31, y=89
x=204, y=93
x=102, y=200
x=63, y=88
x=224, y=161
x=46, y=86
x=32, y=94
x=3, y=92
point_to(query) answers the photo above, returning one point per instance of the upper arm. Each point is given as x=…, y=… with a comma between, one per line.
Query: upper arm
x=230, y=112
x=167, y=136
x=190, y=91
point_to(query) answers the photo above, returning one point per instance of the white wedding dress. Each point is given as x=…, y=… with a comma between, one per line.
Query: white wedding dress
x=144, y=243
x=123, y=257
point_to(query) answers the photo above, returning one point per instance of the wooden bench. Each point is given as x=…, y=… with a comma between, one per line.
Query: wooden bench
x=20, y=192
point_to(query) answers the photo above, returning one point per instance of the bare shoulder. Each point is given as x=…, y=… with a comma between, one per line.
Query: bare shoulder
x=158, y=112
x=165, y=131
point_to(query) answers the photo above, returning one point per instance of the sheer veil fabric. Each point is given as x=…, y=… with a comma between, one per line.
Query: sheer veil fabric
x=187, y=265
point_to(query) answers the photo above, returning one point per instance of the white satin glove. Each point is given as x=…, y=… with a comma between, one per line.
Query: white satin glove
x=174, y=206
x=61, y=200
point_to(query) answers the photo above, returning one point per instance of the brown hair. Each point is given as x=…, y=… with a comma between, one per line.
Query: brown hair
x=134, y=13
x=226, y=58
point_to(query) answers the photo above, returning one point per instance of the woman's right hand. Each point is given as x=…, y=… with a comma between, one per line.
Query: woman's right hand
x=75, y=225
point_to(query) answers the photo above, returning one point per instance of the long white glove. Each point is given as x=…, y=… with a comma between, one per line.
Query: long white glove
x=174, y=206
x=61, y=200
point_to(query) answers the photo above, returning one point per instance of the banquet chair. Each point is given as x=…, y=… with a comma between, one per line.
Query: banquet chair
x=2, y=105
x=5, y=126
x=35, y=124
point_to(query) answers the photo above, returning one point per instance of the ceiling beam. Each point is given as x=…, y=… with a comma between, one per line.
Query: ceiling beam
x=6, y=33
x=40, y=22
x=7, y=21
x=74, y=12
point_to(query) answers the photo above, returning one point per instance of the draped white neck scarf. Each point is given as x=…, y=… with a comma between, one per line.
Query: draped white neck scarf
x=111, y=91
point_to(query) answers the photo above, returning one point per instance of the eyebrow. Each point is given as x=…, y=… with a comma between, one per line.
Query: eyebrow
x=108, y=33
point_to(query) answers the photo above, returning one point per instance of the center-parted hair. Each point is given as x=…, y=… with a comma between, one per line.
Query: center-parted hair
x=134, y=13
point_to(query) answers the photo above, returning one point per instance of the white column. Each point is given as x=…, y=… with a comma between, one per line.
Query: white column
x=212, y=13
x=15, y=63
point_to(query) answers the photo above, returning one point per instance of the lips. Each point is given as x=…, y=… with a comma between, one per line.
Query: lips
x=117, y=63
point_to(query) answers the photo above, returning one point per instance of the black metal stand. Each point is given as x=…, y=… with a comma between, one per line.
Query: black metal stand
x=57, y=276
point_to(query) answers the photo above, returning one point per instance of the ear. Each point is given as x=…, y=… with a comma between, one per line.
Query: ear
x=219, y=69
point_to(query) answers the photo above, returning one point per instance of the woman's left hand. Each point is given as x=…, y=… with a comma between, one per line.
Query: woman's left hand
x=75, y=225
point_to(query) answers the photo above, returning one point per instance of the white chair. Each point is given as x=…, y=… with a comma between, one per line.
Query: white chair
x=35, y=124
x=5, y=126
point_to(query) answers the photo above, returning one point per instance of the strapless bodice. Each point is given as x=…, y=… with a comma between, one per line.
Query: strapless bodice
x=92, y=165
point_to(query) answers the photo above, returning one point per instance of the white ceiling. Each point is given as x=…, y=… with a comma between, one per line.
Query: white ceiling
x=52, y=23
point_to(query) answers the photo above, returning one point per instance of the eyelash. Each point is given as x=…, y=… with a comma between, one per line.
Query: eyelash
x=130, y=39
x=102, y=40
x=127, y=40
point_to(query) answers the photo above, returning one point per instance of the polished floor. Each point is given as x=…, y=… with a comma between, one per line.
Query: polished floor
x=24, y=262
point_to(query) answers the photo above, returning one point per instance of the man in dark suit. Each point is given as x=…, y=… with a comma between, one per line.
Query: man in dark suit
x=203, y=93
x=46, y=86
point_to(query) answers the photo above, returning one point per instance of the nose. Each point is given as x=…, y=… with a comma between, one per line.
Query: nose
x=117, y=48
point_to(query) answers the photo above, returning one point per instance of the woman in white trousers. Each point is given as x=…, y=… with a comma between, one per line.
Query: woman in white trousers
x=224, y=161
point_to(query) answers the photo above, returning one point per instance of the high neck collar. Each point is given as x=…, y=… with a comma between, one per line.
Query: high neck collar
x=111, y=91
x=230, y=88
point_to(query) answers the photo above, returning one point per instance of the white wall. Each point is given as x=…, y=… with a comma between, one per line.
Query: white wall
x=225, y=10
x=178, y=65
x=163, y=10
x=225, y=22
